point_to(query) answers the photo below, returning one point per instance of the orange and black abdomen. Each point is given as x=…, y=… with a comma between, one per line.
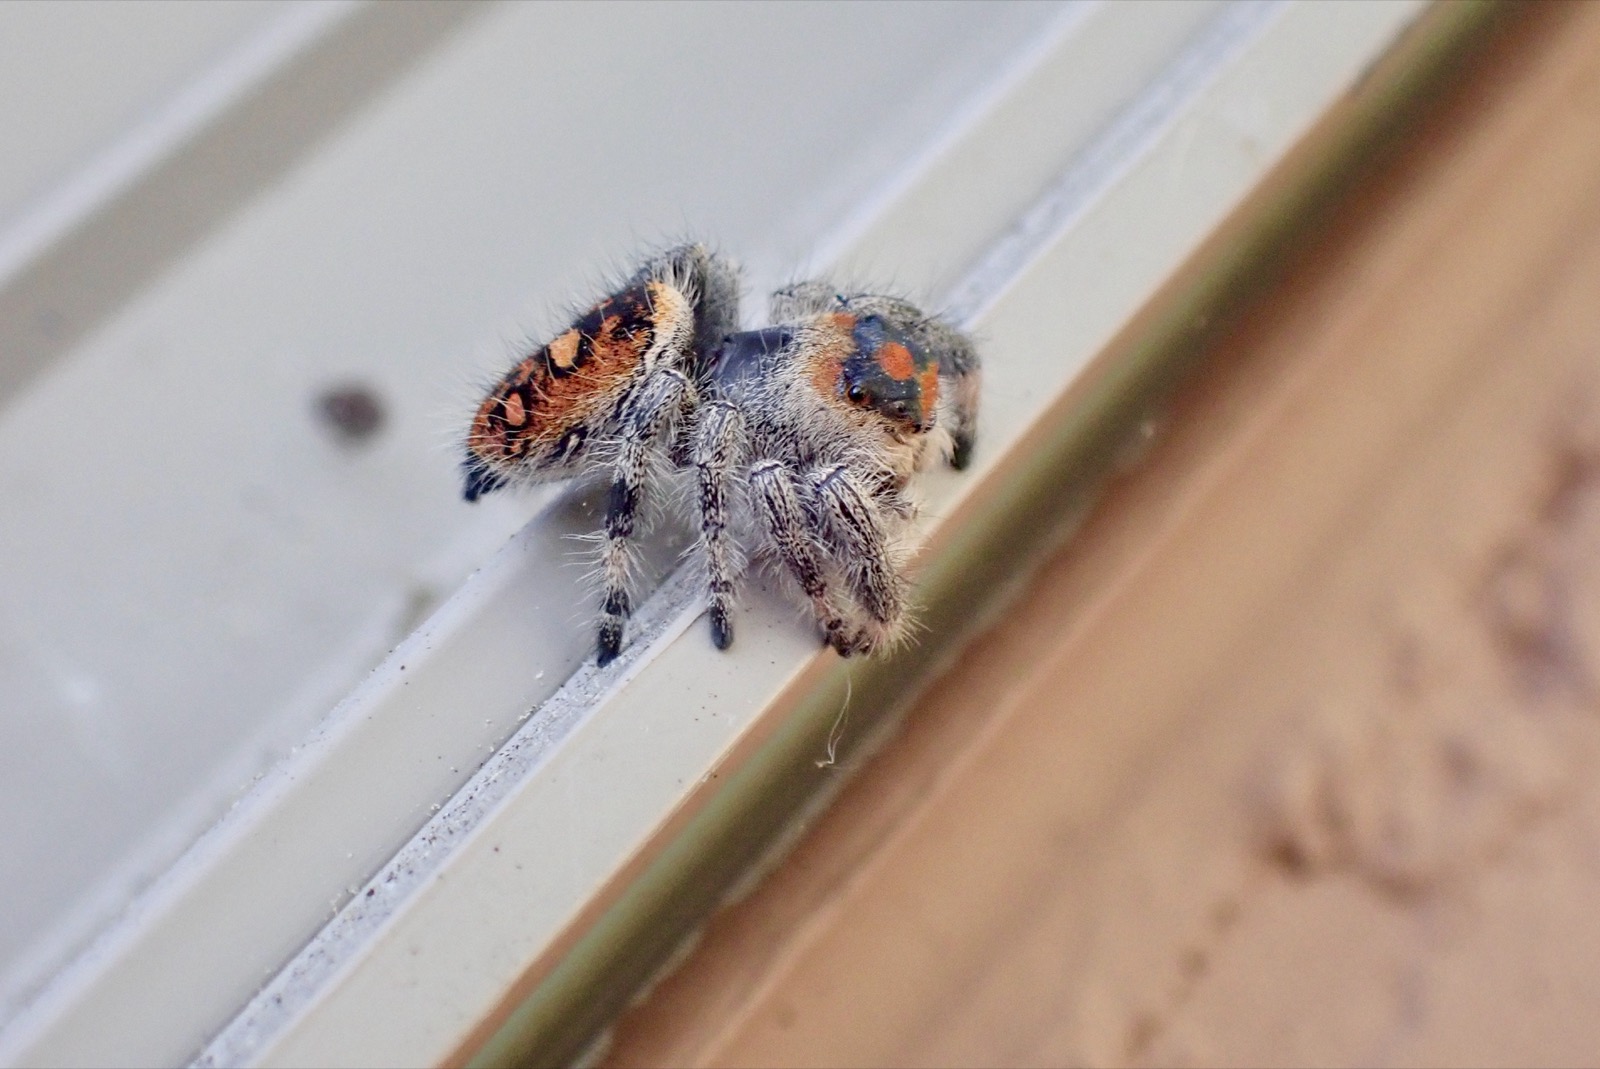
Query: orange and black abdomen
x=541, y=414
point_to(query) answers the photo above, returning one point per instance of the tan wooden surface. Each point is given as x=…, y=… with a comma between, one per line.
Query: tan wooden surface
x=1291, y=756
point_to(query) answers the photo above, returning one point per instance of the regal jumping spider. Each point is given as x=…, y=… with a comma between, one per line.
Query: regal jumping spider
x=804, y=433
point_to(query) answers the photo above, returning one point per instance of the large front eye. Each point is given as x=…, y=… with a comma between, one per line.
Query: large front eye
x=856, y=394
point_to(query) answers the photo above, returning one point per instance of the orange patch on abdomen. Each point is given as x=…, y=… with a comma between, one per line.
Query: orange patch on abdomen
x=516, y=414
x=567, y=383
x=563, y=351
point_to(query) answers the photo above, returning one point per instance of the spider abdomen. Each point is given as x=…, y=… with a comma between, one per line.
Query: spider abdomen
x=542, y=412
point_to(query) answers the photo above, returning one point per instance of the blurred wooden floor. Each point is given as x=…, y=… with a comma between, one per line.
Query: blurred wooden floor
x=1291, y=756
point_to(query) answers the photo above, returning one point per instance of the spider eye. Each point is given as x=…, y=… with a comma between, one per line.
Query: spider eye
x=856, y=393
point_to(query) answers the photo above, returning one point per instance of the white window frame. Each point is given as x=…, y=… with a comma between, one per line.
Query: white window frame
x=627, y=801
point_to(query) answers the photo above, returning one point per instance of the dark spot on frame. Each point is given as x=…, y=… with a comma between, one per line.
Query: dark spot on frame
x=352, y=411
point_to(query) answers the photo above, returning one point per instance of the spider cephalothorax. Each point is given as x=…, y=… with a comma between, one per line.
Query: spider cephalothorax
x=801, y=436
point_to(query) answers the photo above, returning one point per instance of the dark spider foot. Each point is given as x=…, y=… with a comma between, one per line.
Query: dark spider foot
x=961, y=451
x=609, y=643
x=847, y=643
x=721, y=628
x=612, y=616
x=834, y=634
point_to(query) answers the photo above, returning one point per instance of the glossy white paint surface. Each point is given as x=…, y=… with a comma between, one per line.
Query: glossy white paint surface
x=210, y=571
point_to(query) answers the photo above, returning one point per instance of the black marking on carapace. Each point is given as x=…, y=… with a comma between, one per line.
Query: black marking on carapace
x=747, y=354
x=898, y=399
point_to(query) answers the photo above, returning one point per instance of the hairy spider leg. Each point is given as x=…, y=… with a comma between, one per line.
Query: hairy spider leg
x=854, y=518
x=959, y=365
x=717, y=454
x=777, y=496
x=663, y=396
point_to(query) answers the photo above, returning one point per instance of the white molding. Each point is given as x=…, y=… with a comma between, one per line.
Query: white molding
x=1047, y=212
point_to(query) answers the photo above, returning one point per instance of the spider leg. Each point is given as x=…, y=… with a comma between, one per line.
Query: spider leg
x=778, y=499
x=962, y=377
x=717, y=450
x=661, y=397
x=799, y=299
x=856, y=521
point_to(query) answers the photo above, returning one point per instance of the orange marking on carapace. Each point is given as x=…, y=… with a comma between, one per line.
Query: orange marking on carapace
x=825, y=373
x=928, y=381
x=896, y=361
x=828, y=357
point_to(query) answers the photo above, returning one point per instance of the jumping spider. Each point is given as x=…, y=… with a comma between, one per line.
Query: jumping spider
x=805, y=433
